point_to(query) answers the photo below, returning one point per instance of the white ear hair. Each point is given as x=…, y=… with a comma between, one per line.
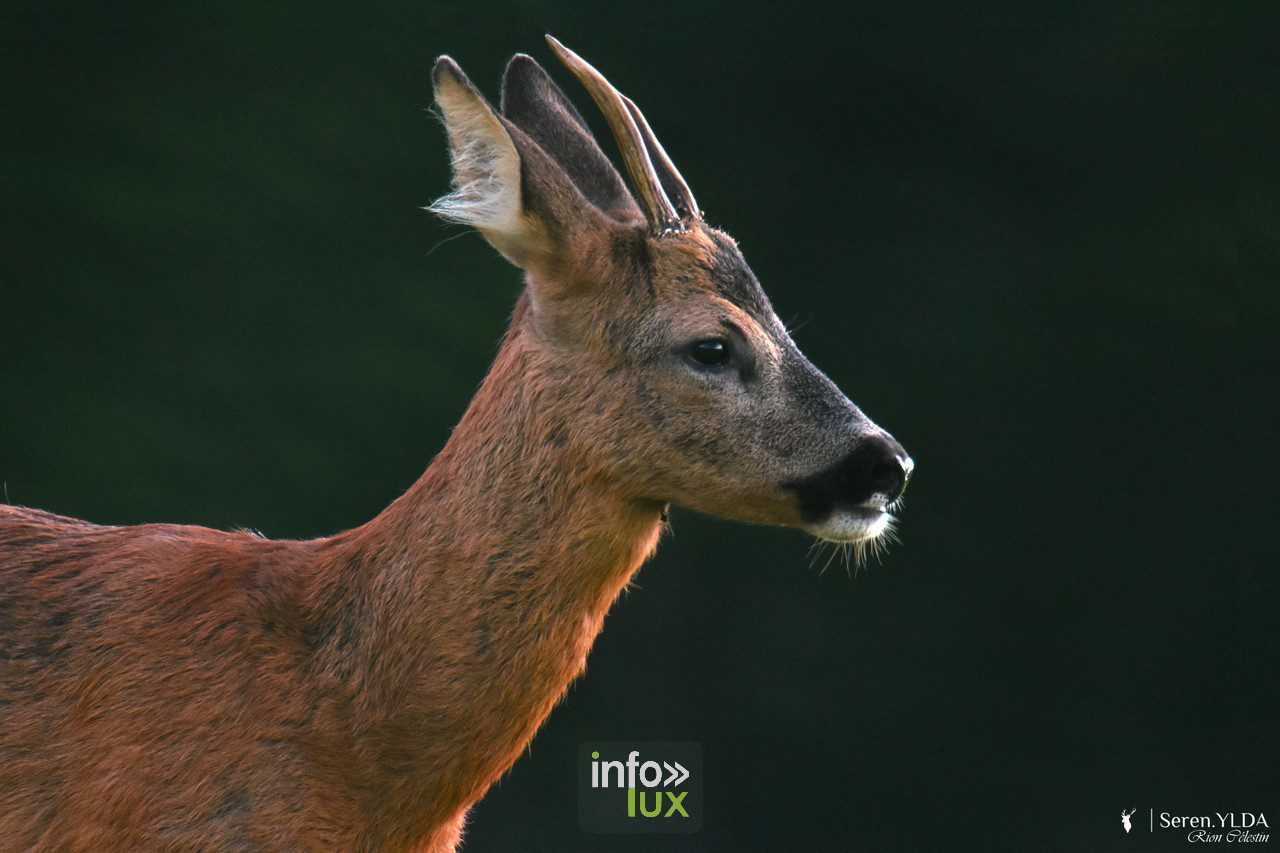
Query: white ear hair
x=486, y=165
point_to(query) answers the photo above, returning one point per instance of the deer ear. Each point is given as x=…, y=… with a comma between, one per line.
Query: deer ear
x=506, y=186
x=534, y=103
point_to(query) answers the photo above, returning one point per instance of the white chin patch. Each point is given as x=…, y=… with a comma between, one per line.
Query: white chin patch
x=851, y=525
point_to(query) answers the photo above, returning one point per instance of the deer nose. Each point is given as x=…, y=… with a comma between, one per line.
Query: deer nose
x=873, y=474
x=877, y=471
x=889, y=475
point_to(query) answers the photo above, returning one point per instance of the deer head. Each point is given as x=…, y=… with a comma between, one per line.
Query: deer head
x=676, y=381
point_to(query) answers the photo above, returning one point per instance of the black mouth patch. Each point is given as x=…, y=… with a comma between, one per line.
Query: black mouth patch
x=848, y=483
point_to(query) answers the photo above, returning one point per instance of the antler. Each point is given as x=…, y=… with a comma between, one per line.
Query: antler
x=675, y=185
x=651, y=170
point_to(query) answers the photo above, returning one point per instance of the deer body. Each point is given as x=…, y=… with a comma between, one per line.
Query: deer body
x=297, y=684
x=174, y=686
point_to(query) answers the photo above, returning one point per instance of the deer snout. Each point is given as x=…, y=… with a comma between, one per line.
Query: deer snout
x=874, y=474
x=869, y=477
x=888, y=466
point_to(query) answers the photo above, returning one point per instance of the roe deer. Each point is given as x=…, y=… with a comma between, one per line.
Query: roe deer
x=180, y=687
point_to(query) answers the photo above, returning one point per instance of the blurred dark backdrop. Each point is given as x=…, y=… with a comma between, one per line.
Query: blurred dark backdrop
x=1031, y=244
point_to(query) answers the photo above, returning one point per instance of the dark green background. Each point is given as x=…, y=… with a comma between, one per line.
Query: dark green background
x=1031, y=244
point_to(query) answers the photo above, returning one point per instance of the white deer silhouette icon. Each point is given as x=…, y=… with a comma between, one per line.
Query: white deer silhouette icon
x=1124, y=818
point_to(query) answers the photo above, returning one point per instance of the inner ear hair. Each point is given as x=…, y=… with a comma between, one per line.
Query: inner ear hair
x=508, y=188
x=486, y=165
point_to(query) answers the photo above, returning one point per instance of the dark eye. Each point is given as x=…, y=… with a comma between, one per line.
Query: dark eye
x=712, y=352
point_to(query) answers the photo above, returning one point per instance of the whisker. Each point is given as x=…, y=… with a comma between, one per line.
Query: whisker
x=815, y=550
x=827, y=565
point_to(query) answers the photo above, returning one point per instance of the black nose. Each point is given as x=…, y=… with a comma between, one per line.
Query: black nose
x=889, y=475
x=875, y=472
x=879, y=468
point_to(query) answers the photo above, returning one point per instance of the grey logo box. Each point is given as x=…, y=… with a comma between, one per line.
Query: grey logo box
x=640, y=786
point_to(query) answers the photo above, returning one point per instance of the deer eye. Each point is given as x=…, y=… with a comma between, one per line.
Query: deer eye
x=712, y=352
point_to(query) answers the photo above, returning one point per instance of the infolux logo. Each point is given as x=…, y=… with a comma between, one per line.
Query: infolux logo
x=640, y=786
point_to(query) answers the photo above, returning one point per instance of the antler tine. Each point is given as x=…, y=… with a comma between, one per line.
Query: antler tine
x=672, y=181
x=635, y=154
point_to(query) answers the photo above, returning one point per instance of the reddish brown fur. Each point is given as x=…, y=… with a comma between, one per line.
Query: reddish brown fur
x=179, y=687
x=170, y=685
x=175, y=685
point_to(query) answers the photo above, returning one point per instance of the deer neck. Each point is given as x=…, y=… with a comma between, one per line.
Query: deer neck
x=491, y=578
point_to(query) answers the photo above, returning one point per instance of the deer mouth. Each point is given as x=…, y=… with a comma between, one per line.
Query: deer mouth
x=853, y=501
x=852, y=524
